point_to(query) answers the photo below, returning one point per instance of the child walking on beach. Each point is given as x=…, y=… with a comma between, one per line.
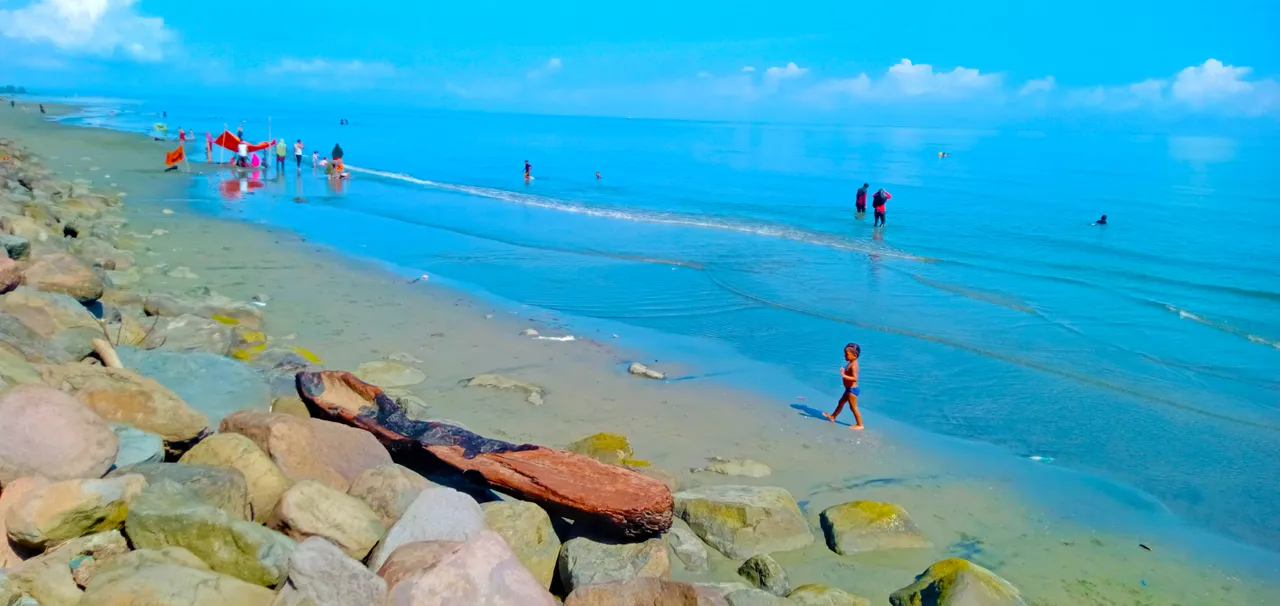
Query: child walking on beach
x=849, y=374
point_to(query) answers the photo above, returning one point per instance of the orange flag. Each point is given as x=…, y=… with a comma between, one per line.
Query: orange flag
x=175, y=156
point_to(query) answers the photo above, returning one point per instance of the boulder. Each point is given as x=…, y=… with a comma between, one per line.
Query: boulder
x=204, y=303
x=859, y=526
x=389, y=373
x=230, y=546
x=739, y=594
x=15, y=370
x=640, y=370
x=644, y=591
x=10, y=275
x=218, y=487
x=743, y=521
x=188, y=333
x=957, y=582
x=61, y=273
x=611, y=498
x=24, y=227
x=141, y=559
x=99, y=253
x=176, y=585
x=409, y=559
x=15, y=247
x=69, y=509
x=438, y=513
x=480, y=571
x=320, y=574
x=264, y=480
x=528, y=531
x=46, y=432
x=14, y=492
x=311, y=509
x=47, y=328
x=610, y=448
x=388, y=490
x=310, y=449
x=532, y=393
x=689, y=549
x=290, y=405
x=212, y=384
x=137, y=446
x=737, y=467
x=50, y=579
x=123, y=396
x=585, y=559
x=764, y=572
x=813, y=594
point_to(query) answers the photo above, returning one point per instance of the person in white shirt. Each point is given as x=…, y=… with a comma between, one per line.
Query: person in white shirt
x=242, y=151
x=297, y=152
x=315, y=159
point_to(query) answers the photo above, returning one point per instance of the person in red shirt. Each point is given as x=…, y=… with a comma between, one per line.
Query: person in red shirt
x=861, y=201
x=849, y=375
x=877, y=204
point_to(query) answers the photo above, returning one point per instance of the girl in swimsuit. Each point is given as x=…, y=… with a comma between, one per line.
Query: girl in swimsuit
x=849, y=374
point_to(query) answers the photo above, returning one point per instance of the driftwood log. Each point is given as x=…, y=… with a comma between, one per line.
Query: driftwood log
x=610, y=498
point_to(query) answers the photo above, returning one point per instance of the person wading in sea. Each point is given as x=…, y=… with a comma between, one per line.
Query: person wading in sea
x=877, y=204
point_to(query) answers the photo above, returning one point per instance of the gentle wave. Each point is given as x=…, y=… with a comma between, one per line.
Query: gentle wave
x=772, y=231
x=1222, y=326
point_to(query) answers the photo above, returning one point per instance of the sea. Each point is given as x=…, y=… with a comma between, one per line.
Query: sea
x=1143, y=355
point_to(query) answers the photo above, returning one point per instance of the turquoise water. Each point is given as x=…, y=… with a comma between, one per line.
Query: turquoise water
x=1145, y=353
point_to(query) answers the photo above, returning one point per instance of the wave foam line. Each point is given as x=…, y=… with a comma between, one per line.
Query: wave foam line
x=1222, y=326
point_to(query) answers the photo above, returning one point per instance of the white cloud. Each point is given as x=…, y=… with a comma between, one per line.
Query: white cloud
x=552, y=66
x=1211, y=87
x=1038, y=86
x=914, y=79
x=786, y=72
x=325, y=67
x=99, y=27
x=1212, y=82
x=748, y=68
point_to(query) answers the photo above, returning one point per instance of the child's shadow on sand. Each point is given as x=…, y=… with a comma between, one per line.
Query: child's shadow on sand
x=814, y=413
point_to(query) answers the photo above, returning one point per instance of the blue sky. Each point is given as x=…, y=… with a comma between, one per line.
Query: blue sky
x=808, y=60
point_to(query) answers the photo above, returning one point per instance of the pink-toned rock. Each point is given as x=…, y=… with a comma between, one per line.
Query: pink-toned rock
x=644, y=591
x=61, y=272
x=480, y=571
x=69, y=509
x=410, y=558
x=10, y=274
x=611, y=498
x=13, y=493
x=46, y=432
x=310, y=449
x=389, y=490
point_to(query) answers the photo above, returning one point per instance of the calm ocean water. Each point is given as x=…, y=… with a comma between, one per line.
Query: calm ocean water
x=1146, y=352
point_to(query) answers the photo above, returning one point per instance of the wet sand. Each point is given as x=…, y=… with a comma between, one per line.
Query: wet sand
x=350, y=311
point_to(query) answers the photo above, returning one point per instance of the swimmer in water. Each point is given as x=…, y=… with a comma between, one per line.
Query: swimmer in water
x=597, y=175
x=528, y=168
x=1101, y=221
x=849, y=375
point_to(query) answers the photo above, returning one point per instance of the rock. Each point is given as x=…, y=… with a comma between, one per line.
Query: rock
x=175, y=585
x=124, y=278
x=737, y=467
x=137, y=561
x=743, y=521
x=311, y=509
x=528, y=332
x=25, y=228
x=411, y=558
x=765, y=573
x=610, y=448
x=644, y=591
x=98, y=253
x=47, y=327
x=50, y=578
x=264, y=480
x=640, y=370
x=480, y=571
x=46, y=432
x=204, y=303
x=61, y=273
x=388, y=490
x=218, y=487
x=16, y=247
x=388, y=373
x=14, y=370
x=14, y=492
x=10, y=275
x=750, y=596
x=821, y=595
x=667, y=478
x=415, y=408
x=860, y=526
x=137, y=446
x=957, y=582
x=608, y=497
x=438, y=513
x=320, y=574
x=188, y=333
x=310, y=449
x=123, y=396
x=228, y=545
x=528, y=531
x=533, y=393
x=70, y=509
x=211, y=384
x=689, y=549
x=585, y=560
x=290, y=405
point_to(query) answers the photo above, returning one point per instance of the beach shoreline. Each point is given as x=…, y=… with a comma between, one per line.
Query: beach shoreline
x=349, y=311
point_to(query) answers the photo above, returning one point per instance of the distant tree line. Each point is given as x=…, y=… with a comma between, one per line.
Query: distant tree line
x=15, y=90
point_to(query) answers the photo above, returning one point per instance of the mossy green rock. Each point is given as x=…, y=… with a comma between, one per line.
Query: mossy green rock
x=611, y=448
x=230, y=546
x=743, y=521
x=814, y=594
x=859, y=526
x=957, y=582
x=527, y=529
x=221, y=487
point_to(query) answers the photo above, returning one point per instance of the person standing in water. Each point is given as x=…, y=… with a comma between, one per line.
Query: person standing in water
x=282, y=148
x=1101, y=221
x=877, y=204
x=297, y=153
x=528, y=168
x=849, y=376
x=860, y=202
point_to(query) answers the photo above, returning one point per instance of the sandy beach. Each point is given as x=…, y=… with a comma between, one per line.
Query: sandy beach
x=352, y=311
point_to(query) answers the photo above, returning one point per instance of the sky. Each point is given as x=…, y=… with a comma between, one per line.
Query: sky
x=983, y=61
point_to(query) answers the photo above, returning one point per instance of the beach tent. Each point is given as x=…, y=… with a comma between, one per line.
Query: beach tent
x=232, y=142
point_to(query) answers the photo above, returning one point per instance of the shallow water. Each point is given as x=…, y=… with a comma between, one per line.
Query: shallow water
x=1143, y=354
